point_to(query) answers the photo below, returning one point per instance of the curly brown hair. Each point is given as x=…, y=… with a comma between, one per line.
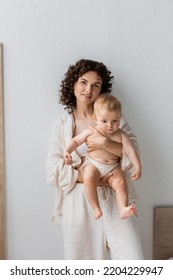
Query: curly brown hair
x=66, y=92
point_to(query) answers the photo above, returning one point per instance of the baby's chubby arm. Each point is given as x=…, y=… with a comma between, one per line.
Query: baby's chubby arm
x=74, y=143
x=132, y=155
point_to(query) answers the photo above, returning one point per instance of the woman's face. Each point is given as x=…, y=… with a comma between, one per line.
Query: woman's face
x=88, y=87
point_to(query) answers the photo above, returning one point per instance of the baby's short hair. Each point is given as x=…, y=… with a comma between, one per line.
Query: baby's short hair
x=110, y=102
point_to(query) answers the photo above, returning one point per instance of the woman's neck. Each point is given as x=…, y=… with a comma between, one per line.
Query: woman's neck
x=84, y=112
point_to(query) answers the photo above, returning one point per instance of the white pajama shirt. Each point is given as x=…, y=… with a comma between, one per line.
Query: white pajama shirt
x=84, y=238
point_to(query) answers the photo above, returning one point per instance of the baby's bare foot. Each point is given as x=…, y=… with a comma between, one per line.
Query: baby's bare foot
x=128, y=211
x=97, y=213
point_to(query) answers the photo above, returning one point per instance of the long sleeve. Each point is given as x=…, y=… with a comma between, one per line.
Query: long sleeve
x=126, y=164
x=59, y=174
x=62, y=176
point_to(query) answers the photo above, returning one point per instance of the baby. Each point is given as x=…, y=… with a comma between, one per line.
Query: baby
x=98, y=163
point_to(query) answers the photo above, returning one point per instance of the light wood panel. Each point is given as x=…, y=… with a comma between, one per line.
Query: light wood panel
x=2, y=222
x=163, y=233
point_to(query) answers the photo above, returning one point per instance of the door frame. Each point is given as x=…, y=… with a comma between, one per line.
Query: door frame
x=2, y=212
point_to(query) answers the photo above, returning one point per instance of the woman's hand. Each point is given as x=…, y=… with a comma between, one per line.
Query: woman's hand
x=104, y=181
x=96, y=141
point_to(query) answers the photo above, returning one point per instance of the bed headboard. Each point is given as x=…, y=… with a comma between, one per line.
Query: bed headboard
x=163, y=233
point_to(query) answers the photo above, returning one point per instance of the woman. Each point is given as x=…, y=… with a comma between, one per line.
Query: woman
x=84, y=238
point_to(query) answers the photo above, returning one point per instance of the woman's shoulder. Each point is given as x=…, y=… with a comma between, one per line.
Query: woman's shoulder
x=63, y=119
x=125, y=127
x=122, y=121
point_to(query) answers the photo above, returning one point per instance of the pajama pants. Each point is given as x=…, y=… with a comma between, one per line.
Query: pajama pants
x=107, y=238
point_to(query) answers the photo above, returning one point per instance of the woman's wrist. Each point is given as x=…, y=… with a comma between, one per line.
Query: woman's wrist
x=113, y=147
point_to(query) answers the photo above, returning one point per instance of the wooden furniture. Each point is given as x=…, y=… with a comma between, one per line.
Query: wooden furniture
x=2, y=220
x=163, y=233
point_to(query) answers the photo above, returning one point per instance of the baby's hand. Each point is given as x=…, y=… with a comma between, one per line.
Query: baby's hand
x=67, y=158
x=136, y=175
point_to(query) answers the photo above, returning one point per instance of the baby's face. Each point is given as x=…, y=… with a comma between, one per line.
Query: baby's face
x=107, y=122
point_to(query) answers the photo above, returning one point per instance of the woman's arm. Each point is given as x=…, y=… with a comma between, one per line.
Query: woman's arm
x=98, y=141
x=127, y=129
x=58, y=174
x=132, y=155
x=126, y=163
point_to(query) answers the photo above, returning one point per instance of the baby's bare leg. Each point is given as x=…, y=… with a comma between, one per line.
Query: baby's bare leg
x=91, y=177
x=118, y=183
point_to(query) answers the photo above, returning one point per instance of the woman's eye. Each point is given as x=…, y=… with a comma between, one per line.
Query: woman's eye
x=96, y=85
